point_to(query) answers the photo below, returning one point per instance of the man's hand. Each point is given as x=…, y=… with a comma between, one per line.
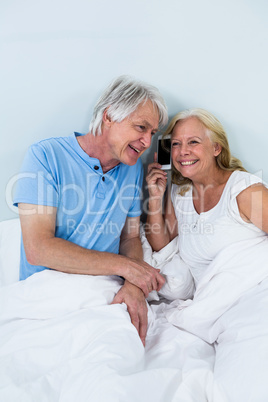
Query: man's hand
x=143, y=275
x=134, y=298
x=135, y=270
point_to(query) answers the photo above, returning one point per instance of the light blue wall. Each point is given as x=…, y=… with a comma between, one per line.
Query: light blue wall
x=58, y=55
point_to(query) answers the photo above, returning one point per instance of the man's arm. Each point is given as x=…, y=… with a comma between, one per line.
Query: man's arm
x=43, y=248
x=131, y=295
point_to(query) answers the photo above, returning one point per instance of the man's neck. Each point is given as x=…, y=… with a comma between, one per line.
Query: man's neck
x=94, y=146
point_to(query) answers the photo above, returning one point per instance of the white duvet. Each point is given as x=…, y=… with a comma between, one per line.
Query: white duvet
x=61, y=340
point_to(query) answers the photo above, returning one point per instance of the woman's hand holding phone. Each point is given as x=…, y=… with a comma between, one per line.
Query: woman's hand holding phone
x=156, y=180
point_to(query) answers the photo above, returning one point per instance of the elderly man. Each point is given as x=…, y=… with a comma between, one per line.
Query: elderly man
x=79, y=196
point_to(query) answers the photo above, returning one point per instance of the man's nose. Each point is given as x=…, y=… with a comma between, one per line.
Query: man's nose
x=146, y=139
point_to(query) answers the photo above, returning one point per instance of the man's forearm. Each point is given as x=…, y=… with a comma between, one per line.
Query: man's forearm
x=65, y=256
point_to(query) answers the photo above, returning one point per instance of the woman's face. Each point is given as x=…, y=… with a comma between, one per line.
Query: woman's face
x=193, y=153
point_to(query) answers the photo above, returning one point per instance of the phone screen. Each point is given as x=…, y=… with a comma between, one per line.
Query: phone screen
x=163, y=155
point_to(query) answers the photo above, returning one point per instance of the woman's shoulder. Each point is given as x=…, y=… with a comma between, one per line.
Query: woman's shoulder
x=241, y=180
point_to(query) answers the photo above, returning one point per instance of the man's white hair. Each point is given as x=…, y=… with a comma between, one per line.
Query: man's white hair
x=122, y=97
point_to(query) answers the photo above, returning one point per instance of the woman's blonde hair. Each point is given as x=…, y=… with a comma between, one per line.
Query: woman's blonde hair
x=224, y=160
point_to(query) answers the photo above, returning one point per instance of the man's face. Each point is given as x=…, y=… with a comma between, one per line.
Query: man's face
x=128, y=139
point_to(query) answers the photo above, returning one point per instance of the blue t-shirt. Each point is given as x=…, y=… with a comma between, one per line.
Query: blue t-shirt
x=91, y=206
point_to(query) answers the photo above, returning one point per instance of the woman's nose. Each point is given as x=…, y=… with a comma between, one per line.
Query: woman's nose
x=184, y=149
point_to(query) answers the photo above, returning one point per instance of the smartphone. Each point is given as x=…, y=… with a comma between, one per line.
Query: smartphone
x=163, y=152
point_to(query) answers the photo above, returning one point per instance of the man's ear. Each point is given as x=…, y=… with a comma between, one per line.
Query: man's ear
x=106, y=119
x=217, y=149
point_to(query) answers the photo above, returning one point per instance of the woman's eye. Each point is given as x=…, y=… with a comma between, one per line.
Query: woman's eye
x=193, y=142
x=174, y=144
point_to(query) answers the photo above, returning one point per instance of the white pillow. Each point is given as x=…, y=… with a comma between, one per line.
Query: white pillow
x=179, y=281
x=10, y=238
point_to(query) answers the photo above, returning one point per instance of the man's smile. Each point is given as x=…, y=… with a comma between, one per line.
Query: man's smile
x=135, y=149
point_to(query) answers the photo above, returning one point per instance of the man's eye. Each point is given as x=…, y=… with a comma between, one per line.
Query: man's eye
x=193, y=142
x=141, y=128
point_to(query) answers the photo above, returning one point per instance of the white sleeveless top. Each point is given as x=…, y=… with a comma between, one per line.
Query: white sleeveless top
x=202, y=236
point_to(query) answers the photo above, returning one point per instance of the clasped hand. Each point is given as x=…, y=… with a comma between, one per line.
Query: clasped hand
x=144, y=276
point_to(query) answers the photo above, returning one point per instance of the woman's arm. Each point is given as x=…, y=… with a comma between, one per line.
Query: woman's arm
x=253, y=206
x=160, y=227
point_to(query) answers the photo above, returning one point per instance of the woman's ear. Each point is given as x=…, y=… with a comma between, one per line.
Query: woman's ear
x=217, y=149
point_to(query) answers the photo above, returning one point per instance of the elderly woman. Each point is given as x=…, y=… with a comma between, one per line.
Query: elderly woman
x=220, y=214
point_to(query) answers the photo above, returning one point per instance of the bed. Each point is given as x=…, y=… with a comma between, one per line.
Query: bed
x=62, y=340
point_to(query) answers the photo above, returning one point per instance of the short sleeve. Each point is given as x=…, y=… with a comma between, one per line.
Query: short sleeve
x=35, y=182
x=242, y=180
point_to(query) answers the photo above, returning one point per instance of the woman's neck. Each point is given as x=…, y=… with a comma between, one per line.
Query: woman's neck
x=208, y=193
